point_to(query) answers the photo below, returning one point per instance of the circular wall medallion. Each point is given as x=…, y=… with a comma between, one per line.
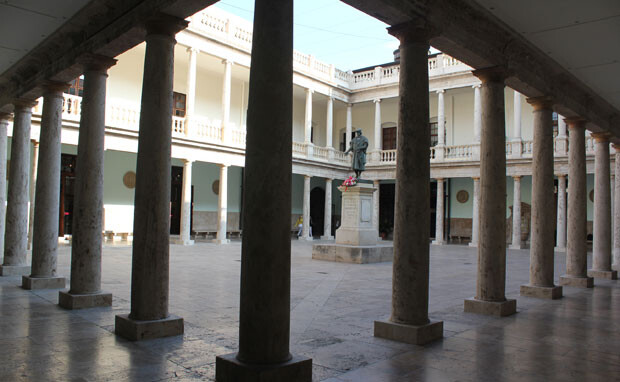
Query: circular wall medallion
x=129, y=179
x=462, y=196
x=216, y=187
x=592, y=196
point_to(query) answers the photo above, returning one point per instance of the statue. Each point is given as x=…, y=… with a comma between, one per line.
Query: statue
x=358, y=146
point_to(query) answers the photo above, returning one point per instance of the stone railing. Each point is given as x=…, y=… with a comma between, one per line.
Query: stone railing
x=237, y=32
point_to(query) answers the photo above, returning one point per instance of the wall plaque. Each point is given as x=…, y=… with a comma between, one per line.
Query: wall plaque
x=216, y=187
x=462, y=196
x=129, y=179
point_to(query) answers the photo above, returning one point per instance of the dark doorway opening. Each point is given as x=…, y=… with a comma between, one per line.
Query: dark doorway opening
x=176, y=201
x=433, y=208
x=317, y=211
x=386, y=209
x=67, y=192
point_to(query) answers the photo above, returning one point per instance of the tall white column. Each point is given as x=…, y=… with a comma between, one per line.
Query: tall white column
x=329, y=123
x=375, y=205
x=186, y=205
x=226, y=84
x=327, y=221
x=561, y=127
x=308, y=117
x=439, y=207
x=560, y=243
x=305, y=235
x=441, y=118
x=349, y=126
x=601, y=251
x=33, y=183
x=475, y=220
x=15, y=238
x=517, y=115
x=377, y=102
x=222, y=207
x=477, y=114
x=45, y=233
x=516, y=214
x=4, y=123
x=615, y=264
x=191, y=89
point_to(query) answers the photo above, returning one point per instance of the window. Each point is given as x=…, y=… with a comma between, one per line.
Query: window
x=388, y=138
x=77, y=87
x=178, y=108
x=434, y=130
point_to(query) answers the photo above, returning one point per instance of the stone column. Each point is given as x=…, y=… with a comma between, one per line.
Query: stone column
x=439, y=208
x=329, y=123
x=33, y=184
x=475, y=215
x=491, y=281
x=226, y=84
x=85, y=288
x=576, y=249
x=191, y=89
x=327, y=221
x=441, y=118
x=615, y=265
x=561, y=141
x=186, y=205
x=543, y=220
x=15, y=238
x=4, y=123
x=308, y=117
x=149, y=316
x=305, y=235
x=45, y=231
x=516, y=214
x=477, y=114
x=560, y=243
x=409, y=321
x=349, y=126
x=517, y=115
x=264, y=319
x=378, y=137
x=601, y=251
x=375, y=206
x=222, y=207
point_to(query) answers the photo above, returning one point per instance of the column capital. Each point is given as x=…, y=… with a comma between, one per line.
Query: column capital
x=164, y=24
x=5, y=116
x=475, y=178
x=24, y=104
x=441, y=91
x=53, y=87
x=377, y=100
x=191, y=49
x=350, y=105
x=329, y=179
x=601, y=137
x=476, y=86
x=575, y=122
x=541, y=103
x=616, y=147
x=307, y=176
x=492, y=74
x=222, y=165
x=561, y=175
x=96, y=62
x=309, y=90
x=439, y=179
x=187, y=161
x=227, y=61
x=414, y=31
x=517, y=177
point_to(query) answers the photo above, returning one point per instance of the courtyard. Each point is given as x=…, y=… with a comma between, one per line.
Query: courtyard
x=333, y=306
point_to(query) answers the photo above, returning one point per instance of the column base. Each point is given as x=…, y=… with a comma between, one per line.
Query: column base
x=137, y=330
x=81, y=301
x=33, y=283
x=14, y=270
x=229, y=369
x=580, y=282
x=184, y=242
x=491, y=308
x=327, y=237
x=221, y=241
x=410, y=334
x=516, y=246
x=436, y=242
x=607, y=275
x=559, y=249
x=473, y=245
x=551, y=293
x=309, y=238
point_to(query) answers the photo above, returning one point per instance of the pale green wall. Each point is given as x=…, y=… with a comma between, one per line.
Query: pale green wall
x=116, y=164
x=461, y=210
x=203, y=176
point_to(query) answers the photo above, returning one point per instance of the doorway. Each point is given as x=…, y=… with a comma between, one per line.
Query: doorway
x=317, y=211
x=176, y=201
x=67, y=193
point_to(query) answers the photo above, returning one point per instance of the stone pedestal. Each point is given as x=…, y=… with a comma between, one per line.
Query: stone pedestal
x=574, y=281
x=609, y=275
x=81, y=301
x=491, y=308
x=552, y=293
x=52, y=282
x=14, y=270
x=411, y=334
x=356, y=239
x=137, y=330
x=229, y=369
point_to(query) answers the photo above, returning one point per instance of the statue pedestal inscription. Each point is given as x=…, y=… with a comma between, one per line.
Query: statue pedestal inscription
x=356, y=239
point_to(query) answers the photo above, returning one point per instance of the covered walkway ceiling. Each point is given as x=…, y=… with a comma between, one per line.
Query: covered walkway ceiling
x=567, y=49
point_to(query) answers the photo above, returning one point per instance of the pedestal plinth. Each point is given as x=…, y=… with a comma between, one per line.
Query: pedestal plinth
x=551, y=293
x=14, y=270
x=491, y=308
x=52, y=282
x=137, y=330
x=356, y=239
x=609, y=275
x=229, y=369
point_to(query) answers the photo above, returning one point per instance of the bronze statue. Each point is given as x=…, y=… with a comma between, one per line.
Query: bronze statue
x=358, y=146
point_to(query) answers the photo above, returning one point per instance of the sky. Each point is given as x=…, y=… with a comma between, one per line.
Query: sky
x=332, y=31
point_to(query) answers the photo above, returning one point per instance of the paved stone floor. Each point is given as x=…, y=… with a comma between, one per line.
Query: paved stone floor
x=333, y=309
